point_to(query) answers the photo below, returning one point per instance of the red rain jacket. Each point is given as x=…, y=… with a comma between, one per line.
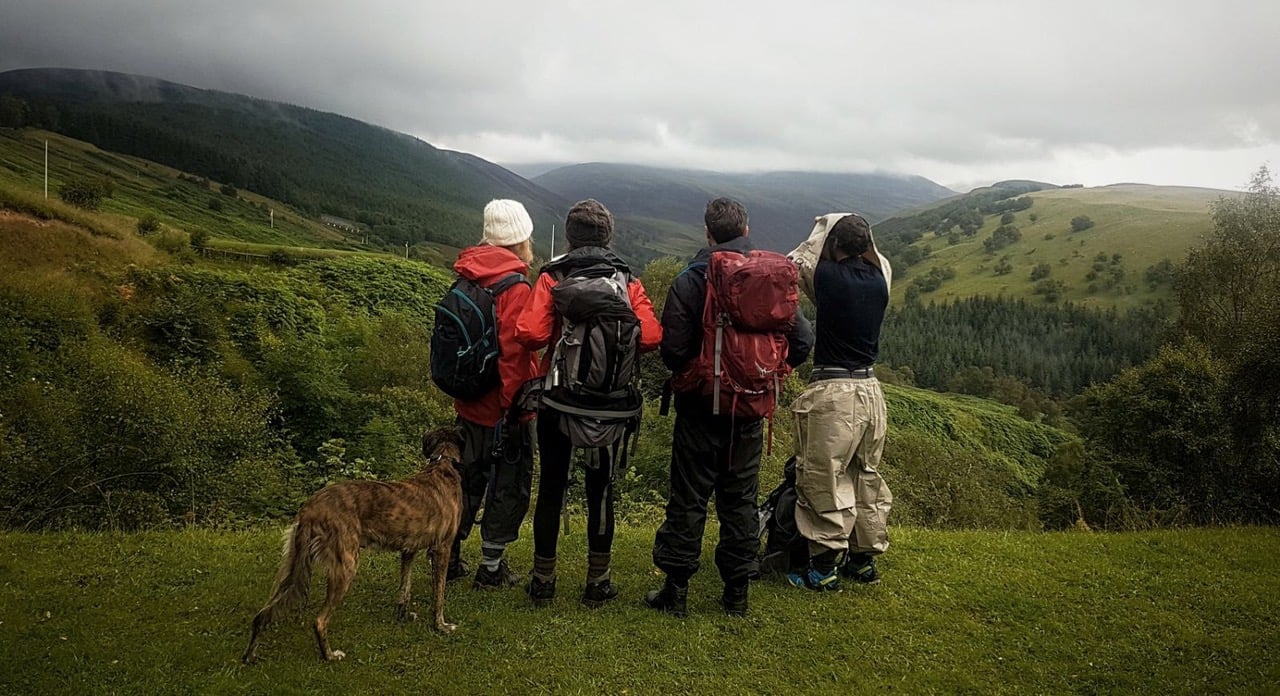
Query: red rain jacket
x=486, y=265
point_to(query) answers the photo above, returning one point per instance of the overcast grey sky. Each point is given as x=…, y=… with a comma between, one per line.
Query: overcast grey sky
x=964, y=93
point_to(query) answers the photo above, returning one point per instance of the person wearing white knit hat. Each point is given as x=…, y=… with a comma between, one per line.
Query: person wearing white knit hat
x=502, y=476
x=506, y=223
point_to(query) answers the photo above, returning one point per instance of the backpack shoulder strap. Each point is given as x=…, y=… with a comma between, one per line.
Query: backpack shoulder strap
x=694, y=267
x=506, y=283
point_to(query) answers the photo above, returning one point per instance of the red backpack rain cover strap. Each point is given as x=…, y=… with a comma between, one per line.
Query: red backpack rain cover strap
x=749, y=310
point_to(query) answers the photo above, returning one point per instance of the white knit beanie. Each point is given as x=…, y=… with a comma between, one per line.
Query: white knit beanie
x=506, y=223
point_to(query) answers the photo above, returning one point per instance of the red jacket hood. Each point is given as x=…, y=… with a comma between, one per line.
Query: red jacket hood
x=484, y=264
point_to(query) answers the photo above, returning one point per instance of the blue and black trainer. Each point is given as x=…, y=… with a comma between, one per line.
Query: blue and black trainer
x=815, y=580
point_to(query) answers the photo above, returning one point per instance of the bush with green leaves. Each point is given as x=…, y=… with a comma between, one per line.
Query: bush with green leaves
x=1080, y=223
x=148, y=224
x=87, y=194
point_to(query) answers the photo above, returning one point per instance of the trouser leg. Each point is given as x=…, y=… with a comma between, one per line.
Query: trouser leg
x=873, y=500
x=554, y=452
x=736, y=489
x=509, y=488
x=678, y=543
x=600, y=523
x=830, y=419
x=475, y=477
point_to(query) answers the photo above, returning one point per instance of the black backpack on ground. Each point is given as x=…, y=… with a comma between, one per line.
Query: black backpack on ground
x=593, y=379
x=783, y=548
x=464, y=340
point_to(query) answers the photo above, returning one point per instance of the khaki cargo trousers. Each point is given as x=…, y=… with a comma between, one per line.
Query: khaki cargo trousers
x=842, y=500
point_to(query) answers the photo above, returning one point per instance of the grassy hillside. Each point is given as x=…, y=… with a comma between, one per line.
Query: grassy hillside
x=1144, y=225
x=403, y=188
x=782, y=205
x=146, y=188
x=1191, y=611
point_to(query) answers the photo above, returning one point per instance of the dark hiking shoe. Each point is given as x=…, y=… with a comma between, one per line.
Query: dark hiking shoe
x=672, y=599
x=861, y=569
x=540, y=592
x=457, y=569
x=814, y=580
x=498, y=579
x=734, y=599
x=598, y=594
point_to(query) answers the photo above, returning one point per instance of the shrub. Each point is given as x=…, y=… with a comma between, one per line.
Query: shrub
x=1041, y=271
x=1080, y=223
x=228, y=190
x=215, y=205
x=86, y=194
x=199, y=239
x=149, y=224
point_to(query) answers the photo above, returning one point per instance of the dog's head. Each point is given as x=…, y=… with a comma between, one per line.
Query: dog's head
x=444, y=442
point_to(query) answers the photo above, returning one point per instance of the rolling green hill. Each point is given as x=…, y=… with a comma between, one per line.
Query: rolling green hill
x=145, y=188
x=402, y=188
x=782, y=205
x=1135, y=227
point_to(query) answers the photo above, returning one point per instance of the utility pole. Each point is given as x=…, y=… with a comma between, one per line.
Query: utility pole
x=46, y=168
x=406, y=250
x=273, y=218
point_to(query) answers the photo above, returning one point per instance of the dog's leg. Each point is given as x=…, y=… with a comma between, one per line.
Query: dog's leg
x=341, y=572
x=439, y=575
x=402, y=608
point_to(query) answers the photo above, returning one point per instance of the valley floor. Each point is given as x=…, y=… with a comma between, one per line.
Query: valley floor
x=983, y=612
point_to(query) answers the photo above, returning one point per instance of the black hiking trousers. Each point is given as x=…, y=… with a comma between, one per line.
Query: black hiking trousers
x=711, y=455
x=500, y=482
x=555, y=454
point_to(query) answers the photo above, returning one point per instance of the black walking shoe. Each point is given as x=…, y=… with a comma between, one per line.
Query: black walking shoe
x=540, y=592
x=499, y=579
x=457, y=569
x=672, y=599
x=734, y=599
x=599, y=593
x=861, y=569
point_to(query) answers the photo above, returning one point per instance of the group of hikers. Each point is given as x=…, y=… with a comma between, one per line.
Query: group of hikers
x=731, y=332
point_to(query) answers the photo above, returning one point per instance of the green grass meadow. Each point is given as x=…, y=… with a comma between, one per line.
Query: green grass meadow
x=1187, y=611
x=1144, y=224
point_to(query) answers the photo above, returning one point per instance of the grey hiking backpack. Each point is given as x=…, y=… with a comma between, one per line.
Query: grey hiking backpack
x=593, y=380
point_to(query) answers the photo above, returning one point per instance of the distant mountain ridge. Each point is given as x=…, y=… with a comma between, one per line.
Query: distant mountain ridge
x=781, y=205
x=407, y=191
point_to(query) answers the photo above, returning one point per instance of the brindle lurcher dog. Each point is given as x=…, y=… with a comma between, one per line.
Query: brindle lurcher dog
x=420, y=512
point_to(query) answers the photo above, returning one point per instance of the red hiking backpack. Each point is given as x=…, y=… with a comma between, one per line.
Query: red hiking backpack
x=750, y=307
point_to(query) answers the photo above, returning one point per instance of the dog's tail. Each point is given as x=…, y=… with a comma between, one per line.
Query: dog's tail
x=292, y=582
x=294, y=578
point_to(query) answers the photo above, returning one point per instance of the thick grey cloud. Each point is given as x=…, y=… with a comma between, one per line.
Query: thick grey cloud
x=1168, y=92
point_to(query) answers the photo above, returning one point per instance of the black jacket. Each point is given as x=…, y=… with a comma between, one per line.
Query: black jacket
x=682, y=315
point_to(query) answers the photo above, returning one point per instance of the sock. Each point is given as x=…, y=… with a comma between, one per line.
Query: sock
x=544, y=569
x=825, y=562
x=598, y=567
x=491, y=555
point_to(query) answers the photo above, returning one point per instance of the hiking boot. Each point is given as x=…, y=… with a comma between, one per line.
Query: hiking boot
x=672, y=599
x=599, y=593
x=457, y=569
x=815, y=580
x=500, y=578
x=541, y=592
x=734, y=599
x=862, y=569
